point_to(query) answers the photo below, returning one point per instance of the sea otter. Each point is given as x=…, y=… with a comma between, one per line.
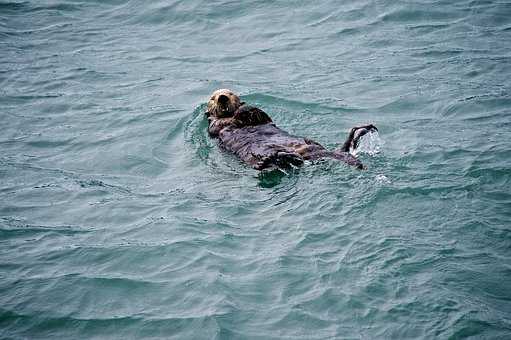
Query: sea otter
x=249, y=133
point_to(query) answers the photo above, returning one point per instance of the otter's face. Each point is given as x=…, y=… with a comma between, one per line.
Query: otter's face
x=223, y=103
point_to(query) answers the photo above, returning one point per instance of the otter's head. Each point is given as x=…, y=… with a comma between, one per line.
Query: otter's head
x=223, y=103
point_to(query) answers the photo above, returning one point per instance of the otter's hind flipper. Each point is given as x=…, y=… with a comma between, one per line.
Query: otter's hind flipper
x=250, y=116
x=354, y=136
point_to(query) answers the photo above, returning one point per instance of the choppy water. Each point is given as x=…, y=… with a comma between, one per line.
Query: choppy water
x=120, y=218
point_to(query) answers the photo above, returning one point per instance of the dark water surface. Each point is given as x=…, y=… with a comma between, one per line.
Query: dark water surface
x=120, y=218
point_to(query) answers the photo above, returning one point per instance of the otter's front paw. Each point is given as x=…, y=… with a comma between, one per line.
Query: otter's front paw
x=250, y=116
x=281, y=159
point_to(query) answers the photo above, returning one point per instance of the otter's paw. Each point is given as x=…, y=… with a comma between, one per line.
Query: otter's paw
x=281, y=159
x=287, y=159
x=250, y=116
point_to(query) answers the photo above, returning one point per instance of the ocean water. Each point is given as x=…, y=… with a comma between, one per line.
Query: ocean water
x=121, y=219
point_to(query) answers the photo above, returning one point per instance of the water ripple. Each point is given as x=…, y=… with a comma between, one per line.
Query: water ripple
x=120, y=217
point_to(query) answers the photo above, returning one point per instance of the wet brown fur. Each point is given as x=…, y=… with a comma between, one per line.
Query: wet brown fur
x=250, y=133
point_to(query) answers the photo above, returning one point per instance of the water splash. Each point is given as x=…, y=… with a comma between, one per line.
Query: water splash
x=370, y=144
x=382, y=179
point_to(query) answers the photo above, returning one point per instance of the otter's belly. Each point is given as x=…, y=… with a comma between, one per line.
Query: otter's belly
x=255, y=143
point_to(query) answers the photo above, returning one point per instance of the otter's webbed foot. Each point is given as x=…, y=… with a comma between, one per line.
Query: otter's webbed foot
x=281, y=159
x=355, y=134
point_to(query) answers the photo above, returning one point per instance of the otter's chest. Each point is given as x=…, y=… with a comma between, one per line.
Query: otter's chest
x=257, y=137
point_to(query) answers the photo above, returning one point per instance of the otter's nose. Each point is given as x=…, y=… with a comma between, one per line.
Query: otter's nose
x=222, y=99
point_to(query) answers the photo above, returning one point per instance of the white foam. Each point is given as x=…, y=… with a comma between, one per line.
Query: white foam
x=382, y=179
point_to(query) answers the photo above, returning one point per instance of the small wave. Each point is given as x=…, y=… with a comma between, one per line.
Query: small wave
x=140, y=325
x=13, y=227
x=195, y=130
x=263, y=98
x=417, y=15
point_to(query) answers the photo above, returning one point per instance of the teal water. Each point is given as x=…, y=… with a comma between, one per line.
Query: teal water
x=120, y=218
